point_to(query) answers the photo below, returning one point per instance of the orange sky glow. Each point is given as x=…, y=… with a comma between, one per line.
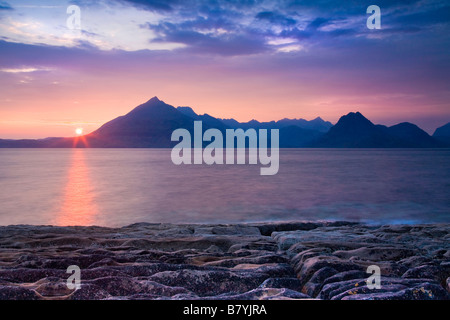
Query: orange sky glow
x=249, y=64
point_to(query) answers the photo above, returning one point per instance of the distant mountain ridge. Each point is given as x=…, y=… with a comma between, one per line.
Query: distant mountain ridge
x=317, y=124
x=443, y=134
x=151, y=124
x=355, y=131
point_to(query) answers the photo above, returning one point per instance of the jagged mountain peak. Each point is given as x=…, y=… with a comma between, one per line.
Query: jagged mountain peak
x=443, y=131
x=152, y=123
x=188, y=111
x=154, y=99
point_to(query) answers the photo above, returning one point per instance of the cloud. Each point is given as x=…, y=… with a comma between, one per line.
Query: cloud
x=290, y=48
x=276, y=18
x=214, y=26
x=104, y=25
x=5, y=6
x=213, y=42
x=318, y=22
x=24, y=69
x=179, y=5
x=153, y=5
x=226, y=28
x=427, y=17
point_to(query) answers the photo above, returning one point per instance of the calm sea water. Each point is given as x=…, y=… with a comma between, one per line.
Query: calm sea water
x=116, y=187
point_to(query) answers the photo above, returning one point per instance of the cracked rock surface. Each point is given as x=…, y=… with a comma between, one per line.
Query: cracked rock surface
x=254, y=261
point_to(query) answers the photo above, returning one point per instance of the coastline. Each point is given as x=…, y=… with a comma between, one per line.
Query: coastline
x=248, y=261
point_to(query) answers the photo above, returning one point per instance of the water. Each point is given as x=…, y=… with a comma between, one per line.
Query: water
x=117, y=187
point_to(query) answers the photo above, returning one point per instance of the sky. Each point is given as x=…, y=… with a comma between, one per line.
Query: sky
x=242, y=59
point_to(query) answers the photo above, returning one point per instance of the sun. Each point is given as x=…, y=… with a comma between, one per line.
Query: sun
x=79, y=131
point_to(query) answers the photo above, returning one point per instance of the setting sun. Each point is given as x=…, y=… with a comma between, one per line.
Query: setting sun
x=79, y=131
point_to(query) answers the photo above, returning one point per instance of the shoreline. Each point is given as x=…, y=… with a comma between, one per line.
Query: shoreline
x=244, y=261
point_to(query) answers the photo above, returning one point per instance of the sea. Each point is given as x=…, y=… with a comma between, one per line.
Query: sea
x=119, y=187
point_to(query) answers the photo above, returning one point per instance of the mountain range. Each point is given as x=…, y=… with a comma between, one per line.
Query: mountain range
x=151, y=124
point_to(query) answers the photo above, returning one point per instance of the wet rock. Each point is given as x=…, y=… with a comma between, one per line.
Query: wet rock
x=262, y=294
x=288, y=283
x=213, y=249
x=275, y=270
x=301, y=257
x=157, y=289
x=376, y=253
x=426, y=291
x=286, y=260
x=346, y=275
x=118, y=286
x=205, y=283
x=17, y=293
x=415, y=261
x=437, y=273
x=104, y=262
x=89, y=292
x=228, y=230
x=268, y=228
x=363, y=289
x=101, y=272
x=231, y=262
x=260, y=245
x=313, y=286
x=312, y=265
x=23, y=275
x=339, y=290
x=51, y=287
x=174, y=244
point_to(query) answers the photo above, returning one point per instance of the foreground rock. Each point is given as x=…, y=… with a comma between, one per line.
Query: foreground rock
x=291, y=260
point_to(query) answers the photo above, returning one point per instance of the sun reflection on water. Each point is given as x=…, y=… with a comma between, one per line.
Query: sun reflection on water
x=78, y=204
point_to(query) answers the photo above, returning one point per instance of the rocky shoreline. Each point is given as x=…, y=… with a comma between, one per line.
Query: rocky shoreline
x=289, y=260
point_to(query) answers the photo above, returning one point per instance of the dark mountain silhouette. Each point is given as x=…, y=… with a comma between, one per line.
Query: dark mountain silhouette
x=231, y=123
x=443, y=134
x=296, y=137
x=25, y=143
x=317, y=124
x=150, y=125
x=252, y=124
x=355, y=131
x=188, y=112
x=207, y=120
x=409, y=135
